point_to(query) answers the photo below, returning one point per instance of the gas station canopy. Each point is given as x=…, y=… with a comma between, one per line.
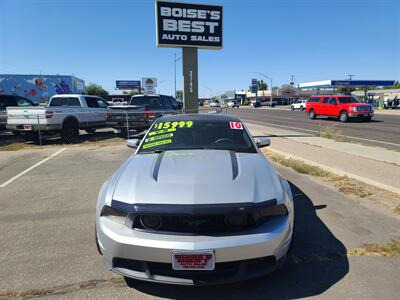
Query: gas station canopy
x=345, y=83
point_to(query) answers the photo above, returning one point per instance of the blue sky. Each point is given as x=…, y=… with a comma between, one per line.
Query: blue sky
x=105, y=40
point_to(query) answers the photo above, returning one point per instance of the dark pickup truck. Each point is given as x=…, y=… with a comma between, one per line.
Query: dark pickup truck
x=141, y=112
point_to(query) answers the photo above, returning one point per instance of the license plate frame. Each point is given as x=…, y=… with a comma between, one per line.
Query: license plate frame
x=203, y=260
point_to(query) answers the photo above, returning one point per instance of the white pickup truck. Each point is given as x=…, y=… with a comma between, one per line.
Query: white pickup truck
x=64, y=115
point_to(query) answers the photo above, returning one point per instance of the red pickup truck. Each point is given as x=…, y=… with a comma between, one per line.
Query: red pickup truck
x=342, y=107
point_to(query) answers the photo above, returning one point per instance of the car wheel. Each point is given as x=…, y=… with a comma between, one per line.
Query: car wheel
x=70, y=131
x=292, y=107
x=123, y=133
x=343, y=116
x=312, y=114
x=367, y=119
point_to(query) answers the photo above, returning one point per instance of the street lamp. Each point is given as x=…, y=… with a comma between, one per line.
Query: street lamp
x=175, y=60
x=270, y=80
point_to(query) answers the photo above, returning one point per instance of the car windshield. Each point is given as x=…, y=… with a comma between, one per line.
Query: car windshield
x=150, y=102
x=348, y=100
x=186, y=134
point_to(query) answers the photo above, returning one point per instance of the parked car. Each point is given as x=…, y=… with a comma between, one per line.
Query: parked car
x=342, y=107
x=215, y=103
x=255, y=103
x=141, y=112
x=299, y=104
x=198, y=203
x=64, y=115
x=11, y=100
x=263, y=102
x=233, y=104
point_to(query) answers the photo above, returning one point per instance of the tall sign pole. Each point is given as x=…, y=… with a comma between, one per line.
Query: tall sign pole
x=190, y=79
x=190, y=27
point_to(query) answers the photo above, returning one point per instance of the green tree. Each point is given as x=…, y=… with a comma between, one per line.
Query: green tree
x=179, y=94
x=96, y=89
x=262, y=85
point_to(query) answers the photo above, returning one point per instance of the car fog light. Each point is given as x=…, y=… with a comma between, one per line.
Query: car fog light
x=151, y=222
x=236, y=220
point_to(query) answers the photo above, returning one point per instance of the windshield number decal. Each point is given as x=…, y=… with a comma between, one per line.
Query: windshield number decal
x=174, y=125
x=236, y=125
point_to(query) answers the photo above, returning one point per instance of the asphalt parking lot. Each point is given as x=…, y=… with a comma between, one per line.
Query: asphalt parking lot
x=48, y=249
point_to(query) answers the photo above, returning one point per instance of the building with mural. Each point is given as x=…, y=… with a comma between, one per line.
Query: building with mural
x=39, y=88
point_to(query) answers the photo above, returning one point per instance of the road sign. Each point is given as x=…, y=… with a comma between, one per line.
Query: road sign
x=254, y=85
x=127, y=84
x=188, y=25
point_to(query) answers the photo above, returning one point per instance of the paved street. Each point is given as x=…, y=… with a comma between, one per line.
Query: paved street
x=383, y=131
x=47, y=233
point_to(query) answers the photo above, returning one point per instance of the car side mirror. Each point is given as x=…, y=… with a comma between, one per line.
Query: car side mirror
x=133, y=143
x=262, y=141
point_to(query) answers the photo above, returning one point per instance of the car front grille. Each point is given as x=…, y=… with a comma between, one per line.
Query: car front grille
x=207, y=224
x=364, y=108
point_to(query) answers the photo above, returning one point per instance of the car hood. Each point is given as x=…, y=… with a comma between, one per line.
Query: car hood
x=197, y=177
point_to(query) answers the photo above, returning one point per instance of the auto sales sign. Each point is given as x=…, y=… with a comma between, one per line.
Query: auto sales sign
x=188, y=25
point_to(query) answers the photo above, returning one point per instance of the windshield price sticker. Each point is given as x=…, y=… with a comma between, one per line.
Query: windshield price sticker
x=158, y=143
x=159, y=137
x=173, y=125
x=157, y=132
x=236, y=125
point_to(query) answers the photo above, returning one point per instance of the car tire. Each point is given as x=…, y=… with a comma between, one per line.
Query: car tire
x=292, y=107
x=367, y=119
x=312, y=115
x=343, y=117
x=70, y=132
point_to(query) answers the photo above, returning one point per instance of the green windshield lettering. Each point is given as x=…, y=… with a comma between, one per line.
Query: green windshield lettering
x=158, y=143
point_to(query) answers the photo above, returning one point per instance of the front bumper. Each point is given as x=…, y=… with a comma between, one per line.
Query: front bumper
x=147, y=256
x=361, y=114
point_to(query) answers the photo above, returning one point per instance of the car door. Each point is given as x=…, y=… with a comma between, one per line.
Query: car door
x=333, y=108
x=323, y=109
x=92, y=115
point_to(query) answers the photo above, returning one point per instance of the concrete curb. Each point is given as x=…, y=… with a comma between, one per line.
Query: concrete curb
x=339, y=172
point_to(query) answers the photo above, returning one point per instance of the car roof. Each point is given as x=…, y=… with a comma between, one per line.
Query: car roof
x=216, y=117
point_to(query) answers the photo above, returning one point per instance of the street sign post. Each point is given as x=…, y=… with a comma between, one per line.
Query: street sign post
x=254, y=86
x=189, y=26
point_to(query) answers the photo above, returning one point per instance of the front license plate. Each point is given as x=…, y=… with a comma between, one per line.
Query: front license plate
x=28, y=127
x=193, y=260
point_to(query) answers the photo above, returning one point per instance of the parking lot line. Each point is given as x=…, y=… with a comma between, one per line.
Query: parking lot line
x=31, y=168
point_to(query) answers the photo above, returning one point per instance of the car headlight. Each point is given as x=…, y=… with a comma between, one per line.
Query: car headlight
x=151, y=222
x=114, y=214
x=353, y=108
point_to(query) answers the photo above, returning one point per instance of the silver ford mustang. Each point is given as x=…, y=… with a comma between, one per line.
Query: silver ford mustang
x=197, y=204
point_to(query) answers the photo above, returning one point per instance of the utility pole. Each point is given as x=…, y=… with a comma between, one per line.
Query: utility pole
x=292, y=80
x=351, y=76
